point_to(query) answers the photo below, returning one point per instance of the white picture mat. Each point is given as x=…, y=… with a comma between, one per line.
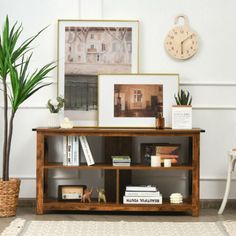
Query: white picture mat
x=106, y=84
x=89, y=118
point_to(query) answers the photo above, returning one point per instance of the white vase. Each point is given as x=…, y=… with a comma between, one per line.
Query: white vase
x=182, y=117
x=54, y=120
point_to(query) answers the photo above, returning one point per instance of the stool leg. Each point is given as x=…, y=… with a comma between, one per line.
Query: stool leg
x=227, y=188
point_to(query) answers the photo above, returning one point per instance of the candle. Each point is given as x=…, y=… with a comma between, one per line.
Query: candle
x=167, y=163
x=155, y=161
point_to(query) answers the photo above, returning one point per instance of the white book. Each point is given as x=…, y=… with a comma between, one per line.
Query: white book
x=144, y=188
x=142, y=200
x=69, y=155
x=121, y=164
x=75, y=149
x=142, y=194
x=86, y=149
x=65, y=150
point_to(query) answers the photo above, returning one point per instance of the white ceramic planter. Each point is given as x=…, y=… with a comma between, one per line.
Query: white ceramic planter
x=182, y=117
x=54, y=120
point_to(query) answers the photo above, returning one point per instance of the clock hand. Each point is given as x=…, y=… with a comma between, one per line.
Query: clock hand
x=182, y=51
x=186, y=38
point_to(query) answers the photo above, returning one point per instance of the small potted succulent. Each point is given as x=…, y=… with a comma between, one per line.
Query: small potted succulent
x=182, y=111
x=55, y=105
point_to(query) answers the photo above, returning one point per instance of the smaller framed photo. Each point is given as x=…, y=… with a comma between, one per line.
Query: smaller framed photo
x=164, y=150
x=70, y=192
x=135, y=100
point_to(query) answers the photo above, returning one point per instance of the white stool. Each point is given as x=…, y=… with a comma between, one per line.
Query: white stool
x=232, y=160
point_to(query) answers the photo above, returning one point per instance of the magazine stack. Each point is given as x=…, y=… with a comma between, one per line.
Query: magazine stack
x=142, y=194
x=121, y=160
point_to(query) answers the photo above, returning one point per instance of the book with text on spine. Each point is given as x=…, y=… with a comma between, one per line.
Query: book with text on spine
x=144, y=188
x=121, y=163
x=75, y=149
x=142, y=200
x=70, y=152
x=86, y=149
x=65, y=150
x=142, y=194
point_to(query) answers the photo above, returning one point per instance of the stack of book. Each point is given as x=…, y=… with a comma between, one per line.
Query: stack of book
x=142, y=194
x=72, y=150
x=168, y=152
x=121, y=160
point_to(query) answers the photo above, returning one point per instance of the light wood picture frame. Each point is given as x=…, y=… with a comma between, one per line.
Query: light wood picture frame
x=87, y=48
x=135, y=100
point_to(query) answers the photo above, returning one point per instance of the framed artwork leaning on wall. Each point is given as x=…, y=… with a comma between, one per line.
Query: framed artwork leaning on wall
x=87, y=48
x=135, y=100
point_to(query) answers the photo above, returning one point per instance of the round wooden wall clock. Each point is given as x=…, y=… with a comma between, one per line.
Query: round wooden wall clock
x=181, y=41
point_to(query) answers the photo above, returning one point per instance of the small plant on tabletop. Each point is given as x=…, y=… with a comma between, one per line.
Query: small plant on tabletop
x=183, y=98
x=55, y=104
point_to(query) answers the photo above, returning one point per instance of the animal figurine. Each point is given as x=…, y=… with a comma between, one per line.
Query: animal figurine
x=101, y=195
x=87, y=195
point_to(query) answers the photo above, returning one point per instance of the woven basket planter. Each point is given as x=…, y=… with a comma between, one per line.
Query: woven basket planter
x=9, y=192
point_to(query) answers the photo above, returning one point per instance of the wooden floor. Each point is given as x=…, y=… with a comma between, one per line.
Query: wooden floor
x=207, y=215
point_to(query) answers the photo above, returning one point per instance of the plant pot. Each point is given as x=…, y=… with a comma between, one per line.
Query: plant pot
x=54, y=120
x=9, y=192
x=182, y=117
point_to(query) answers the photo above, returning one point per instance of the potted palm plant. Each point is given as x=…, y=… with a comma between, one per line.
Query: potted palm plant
x=182, y=112
x=17, y=86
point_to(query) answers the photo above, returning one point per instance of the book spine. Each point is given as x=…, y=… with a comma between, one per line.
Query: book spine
x=65, y=150
x=142, y=189
x=142, y=200
x=69, y=161
x=167, y=156
x=142, y=194
x=75, y=151
x=122, y=161
x=121, y=164
x=87, y=151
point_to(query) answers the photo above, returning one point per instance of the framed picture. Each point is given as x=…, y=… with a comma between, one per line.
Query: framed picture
x=134, y=100
x=70, y=192
x=87, y=48
x=164, y=150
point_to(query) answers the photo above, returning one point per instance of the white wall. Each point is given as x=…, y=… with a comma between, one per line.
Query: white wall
x=210, y=75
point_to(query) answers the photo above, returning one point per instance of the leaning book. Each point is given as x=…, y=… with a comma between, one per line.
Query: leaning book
x=142, y=200
x=87, y=152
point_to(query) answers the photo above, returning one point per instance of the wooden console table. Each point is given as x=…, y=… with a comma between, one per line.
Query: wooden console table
x=116, y=140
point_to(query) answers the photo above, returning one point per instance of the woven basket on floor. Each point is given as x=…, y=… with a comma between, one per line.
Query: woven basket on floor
x=9, y=192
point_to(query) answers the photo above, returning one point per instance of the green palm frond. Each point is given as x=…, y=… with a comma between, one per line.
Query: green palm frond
x=9, y=52
x=24, y=85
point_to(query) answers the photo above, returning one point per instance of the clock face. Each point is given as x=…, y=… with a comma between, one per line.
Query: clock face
x=181, y=42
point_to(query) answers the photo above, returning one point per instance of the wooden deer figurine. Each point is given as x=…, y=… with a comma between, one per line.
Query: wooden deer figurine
x=87, y=195
x=101, y=195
